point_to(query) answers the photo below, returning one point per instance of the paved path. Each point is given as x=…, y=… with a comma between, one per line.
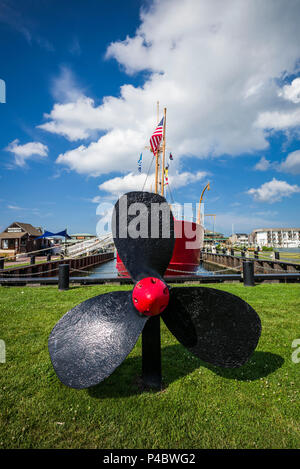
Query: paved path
x=26, y=260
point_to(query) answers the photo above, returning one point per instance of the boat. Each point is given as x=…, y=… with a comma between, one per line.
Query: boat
x=186, y=255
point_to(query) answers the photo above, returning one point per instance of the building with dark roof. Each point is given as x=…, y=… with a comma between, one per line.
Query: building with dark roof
x=21, y=237
x=214, y=237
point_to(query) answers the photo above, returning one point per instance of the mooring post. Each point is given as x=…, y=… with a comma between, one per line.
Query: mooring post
x=277, y=255
x=151, y=353
x=63, y=277
x=48, y=257
x=248, y=273
x=32, y=260
x=1, y=263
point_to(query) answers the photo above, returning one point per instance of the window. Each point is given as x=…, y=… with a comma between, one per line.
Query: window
x=5, y=244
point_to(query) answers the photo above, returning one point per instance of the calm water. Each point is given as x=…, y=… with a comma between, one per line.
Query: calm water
x=291, y=250
x=109, y=270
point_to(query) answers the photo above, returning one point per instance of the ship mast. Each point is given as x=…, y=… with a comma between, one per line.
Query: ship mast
x=157, y=156
x=163, y=154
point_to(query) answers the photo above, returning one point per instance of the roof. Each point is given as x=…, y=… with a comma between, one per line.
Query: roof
x=209, y=232
x=11, y=235
x=27, y=227
x=32, y=230
x=83, y=234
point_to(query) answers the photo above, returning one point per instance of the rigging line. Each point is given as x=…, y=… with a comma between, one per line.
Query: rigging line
x=148, y=172
x=171, y=195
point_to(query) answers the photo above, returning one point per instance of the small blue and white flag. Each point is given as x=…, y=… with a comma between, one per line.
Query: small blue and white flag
x=140, y=163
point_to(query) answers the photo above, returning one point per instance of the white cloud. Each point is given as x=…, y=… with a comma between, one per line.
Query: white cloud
x=292, y=163
x=74, y=120
x=64, y=87
x=15, y=207
x=33, y=211
x=96, y=199
x=213, y=63
x=27, y=151
x=115, y=151
x=291, y=92
x=273, y=191
x=131, y=182
x=278, y=120
x=182, y=179
x=263, y=164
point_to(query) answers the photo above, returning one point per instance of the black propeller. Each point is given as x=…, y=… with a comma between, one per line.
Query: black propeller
x=93, y=339
x=149, y=216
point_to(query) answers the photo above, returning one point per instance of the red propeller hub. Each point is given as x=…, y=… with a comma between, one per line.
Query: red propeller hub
x=150, y=296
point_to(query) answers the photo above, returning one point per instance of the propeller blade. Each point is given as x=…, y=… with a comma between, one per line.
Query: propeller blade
x=143, y=232
x=216, y=326
x=92, y=339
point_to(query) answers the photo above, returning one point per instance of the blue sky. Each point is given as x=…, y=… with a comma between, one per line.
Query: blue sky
x=82, y=81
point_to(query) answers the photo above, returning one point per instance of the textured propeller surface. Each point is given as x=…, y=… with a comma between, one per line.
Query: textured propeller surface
x=216, y=326
x=143, y=235
x=93, y=338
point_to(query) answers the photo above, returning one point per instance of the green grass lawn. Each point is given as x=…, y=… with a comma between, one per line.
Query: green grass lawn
x=292, y=257
x=201, y=406
x=26, y=264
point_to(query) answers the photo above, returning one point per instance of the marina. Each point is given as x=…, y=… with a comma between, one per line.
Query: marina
x=149, y=228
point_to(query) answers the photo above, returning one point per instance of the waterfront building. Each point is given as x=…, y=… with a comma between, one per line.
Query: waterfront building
x=82, y=236
x=276, y=237
x=239, y=239
x=20, y=238
x=214, y=237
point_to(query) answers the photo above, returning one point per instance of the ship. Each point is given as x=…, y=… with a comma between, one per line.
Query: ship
x=189, y=233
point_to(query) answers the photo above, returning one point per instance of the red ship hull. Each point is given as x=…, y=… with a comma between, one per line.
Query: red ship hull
x=186, y=254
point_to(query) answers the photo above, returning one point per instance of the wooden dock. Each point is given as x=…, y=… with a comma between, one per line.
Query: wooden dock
x=261, y=266
x=50, y=269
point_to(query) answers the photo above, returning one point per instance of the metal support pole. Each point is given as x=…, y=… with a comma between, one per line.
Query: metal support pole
x=232, y=252
x=63, y=277
x=32, y=260
x=48, y=257
x=151, y=353
x=1, y=263
x=277, y=255
x=248, y=273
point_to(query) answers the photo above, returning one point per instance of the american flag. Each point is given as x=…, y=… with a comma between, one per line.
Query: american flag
x=157, y=136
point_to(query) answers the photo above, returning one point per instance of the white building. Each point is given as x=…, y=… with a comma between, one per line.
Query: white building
x=276, y=237
x=239, y=239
